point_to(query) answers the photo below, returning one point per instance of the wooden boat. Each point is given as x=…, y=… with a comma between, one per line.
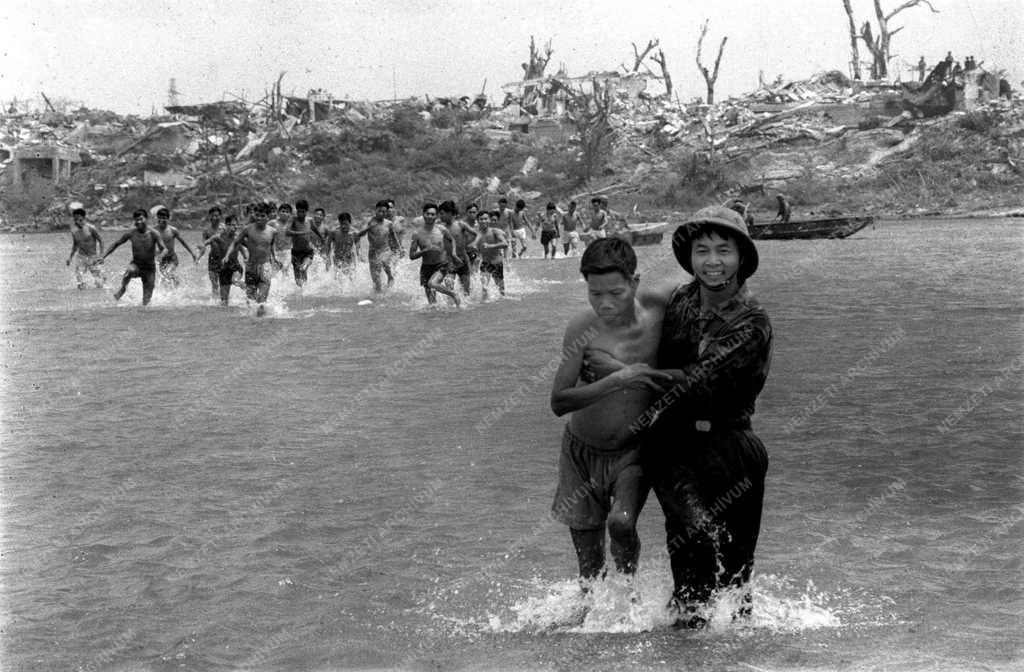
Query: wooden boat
x=828, y=227
x=647, y=233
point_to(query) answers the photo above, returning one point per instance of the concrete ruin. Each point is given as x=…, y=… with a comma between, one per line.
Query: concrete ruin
x=50, y=162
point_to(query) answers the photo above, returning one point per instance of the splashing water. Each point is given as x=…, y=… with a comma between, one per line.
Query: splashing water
x=621, y=605
x=286, y=300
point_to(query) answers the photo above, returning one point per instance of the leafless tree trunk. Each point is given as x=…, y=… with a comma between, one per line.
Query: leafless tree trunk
x=709, y=77
x=879, y=45
x=659, y=58
x=854, y=52
x=878, y=71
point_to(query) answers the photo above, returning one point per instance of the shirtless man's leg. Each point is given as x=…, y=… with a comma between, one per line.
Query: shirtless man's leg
x=437, y=284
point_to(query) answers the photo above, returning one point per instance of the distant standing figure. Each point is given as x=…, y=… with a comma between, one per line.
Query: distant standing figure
x=212, y=263
x=598, y=225
x=520, y=224
x=223, y=268
x=282, y=243
x=343, y=247
x=493, y=243
x=145, y=243
x=169, y=259
x=433, y=245
x=396, y=236
x=379, y=234
x=784, y=209
x=504, y=221
x=471, y=237
x=921, y=67
x=84, y=240
x=320, y=226
x=462, y=237
x=572, y=224
x=260, y=241
x=303, y=251
x=549, y=230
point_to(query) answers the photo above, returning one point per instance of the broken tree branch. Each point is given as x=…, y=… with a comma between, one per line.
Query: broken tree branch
x=638, y=56
x=659, y=58
x=906, y=5
x=709, y=77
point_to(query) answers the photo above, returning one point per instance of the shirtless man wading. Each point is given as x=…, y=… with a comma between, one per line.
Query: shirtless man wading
x=259, y=240
x=434, y=245
x=145, y=243
x=84, y=240
x=169, y=259
x=380, y=236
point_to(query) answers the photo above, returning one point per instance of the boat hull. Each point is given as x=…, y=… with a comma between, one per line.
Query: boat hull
x=832, y=227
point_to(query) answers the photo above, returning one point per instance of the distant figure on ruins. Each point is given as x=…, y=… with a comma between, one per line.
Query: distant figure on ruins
x=921, y=67
x=784, y=209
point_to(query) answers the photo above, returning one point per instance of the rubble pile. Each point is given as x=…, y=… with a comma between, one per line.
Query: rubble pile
x=231, y=152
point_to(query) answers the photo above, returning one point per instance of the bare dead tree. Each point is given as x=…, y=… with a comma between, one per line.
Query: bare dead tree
x=880, y=45
x=589, y=114
x=854, y=52
x=659, y=58
x=885, y=34
x=638, y=56
x=874, y=47
x=709, y=77
x=534, y=68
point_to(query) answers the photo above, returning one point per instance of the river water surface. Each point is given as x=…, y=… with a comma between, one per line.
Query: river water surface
x=337, y=486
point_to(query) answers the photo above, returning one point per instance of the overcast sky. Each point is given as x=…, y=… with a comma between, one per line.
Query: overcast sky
x=121, y=54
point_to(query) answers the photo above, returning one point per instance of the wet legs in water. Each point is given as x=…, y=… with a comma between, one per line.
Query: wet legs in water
x=376, y=267
x=300, y=268
x=168, y=271
x=589, y=544
x=148, y=277
x=625, y=542
x=711, y=549
x=437, y=283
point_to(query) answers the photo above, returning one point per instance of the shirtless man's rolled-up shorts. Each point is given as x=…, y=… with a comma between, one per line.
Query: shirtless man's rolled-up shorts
x=588, y=477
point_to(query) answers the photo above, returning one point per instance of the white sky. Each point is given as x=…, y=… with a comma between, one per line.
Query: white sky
x=121, y=54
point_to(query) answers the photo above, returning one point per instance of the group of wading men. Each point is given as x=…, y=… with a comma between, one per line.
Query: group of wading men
x=659, y=384
x=452, y=248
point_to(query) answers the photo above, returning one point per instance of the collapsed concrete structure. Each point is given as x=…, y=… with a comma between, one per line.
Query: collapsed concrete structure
x=48, y=161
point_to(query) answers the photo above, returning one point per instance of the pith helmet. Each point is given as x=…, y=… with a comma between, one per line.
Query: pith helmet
x=726, y=219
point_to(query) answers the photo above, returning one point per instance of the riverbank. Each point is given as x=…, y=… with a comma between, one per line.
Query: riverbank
x=654, y=161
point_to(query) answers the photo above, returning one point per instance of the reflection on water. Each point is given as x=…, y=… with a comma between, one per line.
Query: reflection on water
x=190, y=487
